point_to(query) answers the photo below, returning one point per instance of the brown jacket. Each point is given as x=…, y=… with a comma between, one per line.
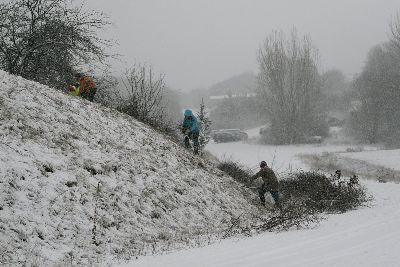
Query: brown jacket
x=269, y=178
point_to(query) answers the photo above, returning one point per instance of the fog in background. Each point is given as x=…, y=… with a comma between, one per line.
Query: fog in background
x=298, y=69
x=198, y=43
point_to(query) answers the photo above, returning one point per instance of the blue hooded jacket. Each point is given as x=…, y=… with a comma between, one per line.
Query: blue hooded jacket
x=190, y=122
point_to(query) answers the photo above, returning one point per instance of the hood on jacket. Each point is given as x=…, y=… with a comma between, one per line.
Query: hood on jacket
x=188, y=112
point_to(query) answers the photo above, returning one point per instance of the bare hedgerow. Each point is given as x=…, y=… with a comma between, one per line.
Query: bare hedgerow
x=305, y=196
x=236, y=171
x=322, y=194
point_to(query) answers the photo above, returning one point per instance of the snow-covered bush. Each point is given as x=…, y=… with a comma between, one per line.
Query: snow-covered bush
x=304, y=197
x=319, y=193
x=236, y=171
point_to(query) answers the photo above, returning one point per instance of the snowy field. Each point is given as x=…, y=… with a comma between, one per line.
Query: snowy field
x=386, y=158
x=368, y=236
x=282, y=159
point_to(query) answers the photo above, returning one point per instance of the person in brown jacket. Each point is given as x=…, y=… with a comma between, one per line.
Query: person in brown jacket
x=270, y=183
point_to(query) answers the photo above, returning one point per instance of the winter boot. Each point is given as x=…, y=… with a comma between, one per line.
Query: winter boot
x=262, y=200
x=187, y=142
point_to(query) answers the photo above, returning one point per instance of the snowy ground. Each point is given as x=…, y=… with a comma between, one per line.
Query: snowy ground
x=368, y=236
x=282, y=159
x=253, y=133
x=386, y=158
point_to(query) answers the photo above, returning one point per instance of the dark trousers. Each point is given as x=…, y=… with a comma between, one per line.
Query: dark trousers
x=274, y=194
x=195, y=138
x=89, y=95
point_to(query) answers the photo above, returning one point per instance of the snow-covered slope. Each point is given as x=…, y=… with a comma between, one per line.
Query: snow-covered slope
x=80, y=183
x=366, y=237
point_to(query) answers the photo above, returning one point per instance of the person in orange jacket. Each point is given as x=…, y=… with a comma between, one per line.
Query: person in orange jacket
x=84, y=87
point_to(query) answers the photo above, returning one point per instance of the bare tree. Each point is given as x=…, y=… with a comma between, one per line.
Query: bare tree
x=336, y=91
x=378, y=91
x=395, y=32
x=237, y=112
x=47, y=40
x=334, y=82
x=145, y=94
x=107, y=90
x=289, y=83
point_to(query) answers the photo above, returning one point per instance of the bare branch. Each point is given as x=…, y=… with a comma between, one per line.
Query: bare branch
x=47, y=40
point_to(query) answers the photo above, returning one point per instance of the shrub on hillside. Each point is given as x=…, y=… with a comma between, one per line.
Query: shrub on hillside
x=304, y=196
x=236, y=171
x=322, y=194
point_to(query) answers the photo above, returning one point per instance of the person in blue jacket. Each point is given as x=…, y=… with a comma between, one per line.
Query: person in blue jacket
x=190, y=128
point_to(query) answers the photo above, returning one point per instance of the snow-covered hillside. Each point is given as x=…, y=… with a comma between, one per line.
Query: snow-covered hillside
x=80, y=183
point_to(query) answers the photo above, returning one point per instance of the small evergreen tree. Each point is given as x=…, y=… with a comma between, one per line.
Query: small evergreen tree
x=205, y=126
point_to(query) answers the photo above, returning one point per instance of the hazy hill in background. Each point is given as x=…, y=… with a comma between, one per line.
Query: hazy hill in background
x=236, y=85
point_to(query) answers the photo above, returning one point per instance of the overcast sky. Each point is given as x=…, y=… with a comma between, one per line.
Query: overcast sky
x=196, y=43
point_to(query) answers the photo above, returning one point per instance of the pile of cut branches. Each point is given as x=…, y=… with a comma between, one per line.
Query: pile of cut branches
x=305, y=197
x=320, y=193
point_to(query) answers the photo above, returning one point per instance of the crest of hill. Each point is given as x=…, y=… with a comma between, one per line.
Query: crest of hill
x=81, y=183
x=238, y=84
